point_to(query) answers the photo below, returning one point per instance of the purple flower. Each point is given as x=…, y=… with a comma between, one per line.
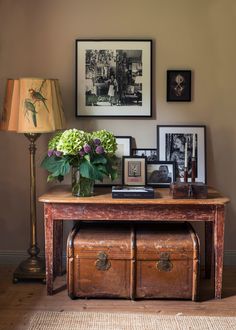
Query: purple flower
x=97, y=142
x=50, y=152
x=87, y=148
x=58, y=153
x=99, y=150
x=81, y=152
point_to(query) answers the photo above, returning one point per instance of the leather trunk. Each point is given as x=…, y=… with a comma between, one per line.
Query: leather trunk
x=99, y=261
x=167, y=261
x=132, y=260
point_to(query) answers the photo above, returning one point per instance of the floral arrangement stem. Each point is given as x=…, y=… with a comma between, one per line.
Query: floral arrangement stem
x=81, y=187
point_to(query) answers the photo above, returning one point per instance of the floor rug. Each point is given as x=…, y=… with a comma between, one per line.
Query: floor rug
x=126, y=321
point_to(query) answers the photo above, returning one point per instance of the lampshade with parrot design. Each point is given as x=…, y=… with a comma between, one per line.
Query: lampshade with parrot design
x=32, y=105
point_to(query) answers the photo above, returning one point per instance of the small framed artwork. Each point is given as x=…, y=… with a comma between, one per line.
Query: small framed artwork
x=180, y=144
x=150, y=154
x=160, y=173
x=123, y=149
x=135, y=171
x=178, y=85
x=113, y=78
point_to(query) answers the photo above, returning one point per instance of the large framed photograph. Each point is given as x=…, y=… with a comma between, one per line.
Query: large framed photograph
x=135, y=171
x=124, y=144
x=160, y=173
x=178, y=85
x=175, y=143
x=151, y=153
x=113, y=78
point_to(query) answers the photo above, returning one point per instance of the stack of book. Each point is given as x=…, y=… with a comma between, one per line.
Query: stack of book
x=132, y=192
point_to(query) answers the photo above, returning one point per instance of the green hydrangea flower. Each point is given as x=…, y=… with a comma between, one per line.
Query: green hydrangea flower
x=52, y=144
x=108, y=141
x=76, y=148
x=72, y=141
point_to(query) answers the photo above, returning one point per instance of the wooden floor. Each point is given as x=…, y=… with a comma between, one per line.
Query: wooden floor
x=19, y=301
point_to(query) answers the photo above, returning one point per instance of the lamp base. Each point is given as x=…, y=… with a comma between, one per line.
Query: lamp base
x=32, y=268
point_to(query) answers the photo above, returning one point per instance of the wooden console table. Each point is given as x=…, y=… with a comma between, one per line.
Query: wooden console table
x=60, y=205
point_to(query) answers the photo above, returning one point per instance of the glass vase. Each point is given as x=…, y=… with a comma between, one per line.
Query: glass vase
x=81, y=187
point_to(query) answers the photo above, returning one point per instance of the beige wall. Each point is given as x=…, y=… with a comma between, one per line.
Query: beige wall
x=37, y=38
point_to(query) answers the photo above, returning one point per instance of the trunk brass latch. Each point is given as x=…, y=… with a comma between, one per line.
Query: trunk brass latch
x=102, y=263
x=164, y=264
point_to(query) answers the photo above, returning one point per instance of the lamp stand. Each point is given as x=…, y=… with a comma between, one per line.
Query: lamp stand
x=34, y=266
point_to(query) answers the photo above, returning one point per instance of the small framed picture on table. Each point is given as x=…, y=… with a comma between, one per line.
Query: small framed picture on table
x=150, y=153
x=160, y=173
x=135, y=171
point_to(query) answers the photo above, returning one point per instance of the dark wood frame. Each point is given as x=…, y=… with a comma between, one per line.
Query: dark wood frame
x=136, y=158
x=171, y=95
x=144, y=110
x=146, y=149
x=201, y=146
x=159, y=184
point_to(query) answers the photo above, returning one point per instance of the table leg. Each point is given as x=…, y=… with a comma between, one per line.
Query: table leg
x=208, y=248
x=219, y=249
x=58, y=247
x=48, y=226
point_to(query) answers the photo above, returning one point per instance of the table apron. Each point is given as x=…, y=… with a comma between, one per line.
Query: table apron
x=116, y=212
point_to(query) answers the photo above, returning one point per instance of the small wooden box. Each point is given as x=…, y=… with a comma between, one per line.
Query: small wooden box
x=188, y=190
x=133, y=261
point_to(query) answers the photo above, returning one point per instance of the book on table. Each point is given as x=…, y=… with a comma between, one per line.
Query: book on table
x=132, y=192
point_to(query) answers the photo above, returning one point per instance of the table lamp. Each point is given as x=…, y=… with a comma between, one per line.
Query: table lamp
x=32, y=106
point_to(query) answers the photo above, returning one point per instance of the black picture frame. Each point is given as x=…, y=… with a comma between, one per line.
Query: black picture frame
x=124, y=148
x=178, y=86
x=150, y=153
x=113, y=78
x=170, y=141
x=160, y=173
x=134, y=171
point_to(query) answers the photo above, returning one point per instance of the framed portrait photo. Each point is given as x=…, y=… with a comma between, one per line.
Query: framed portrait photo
x=150, y=154
x=178, y=86
x=160, y=173
x=113, y=78
x=179, y=144
x=123, y=149
x=135, y=171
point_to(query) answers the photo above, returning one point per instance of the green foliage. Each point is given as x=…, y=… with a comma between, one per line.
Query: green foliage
x=93, y=153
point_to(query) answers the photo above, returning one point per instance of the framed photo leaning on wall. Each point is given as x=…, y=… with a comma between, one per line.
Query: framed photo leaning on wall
x=171, y=142
x=123, y=149
x=135, y=171
x=113, y=78
x=178, y=86
x=160, y=173
x=150, y=153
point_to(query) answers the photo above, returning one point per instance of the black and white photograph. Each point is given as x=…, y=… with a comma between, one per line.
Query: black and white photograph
x=113, y=78
x=180, y=144
x=160, y=174
x=150, y=154
x=135, y=171
x=178, y=85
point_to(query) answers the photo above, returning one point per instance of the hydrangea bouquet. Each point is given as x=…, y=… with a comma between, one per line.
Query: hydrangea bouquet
x=92, y=154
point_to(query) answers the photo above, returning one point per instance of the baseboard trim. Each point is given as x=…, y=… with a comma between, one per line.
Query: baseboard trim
x=11, y=257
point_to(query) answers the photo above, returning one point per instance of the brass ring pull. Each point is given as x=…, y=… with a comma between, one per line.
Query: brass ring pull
x=102, y=263
x=164, y=264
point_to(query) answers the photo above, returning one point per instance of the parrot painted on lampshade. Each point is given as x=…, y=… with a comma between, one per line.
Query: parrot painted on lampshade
x=29, y=106
x=37, y=96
